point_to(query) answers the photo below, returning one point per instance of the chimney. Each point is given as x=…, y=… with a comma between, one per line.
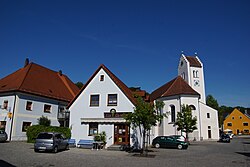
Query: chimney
x=60, y=72
x=27, y=61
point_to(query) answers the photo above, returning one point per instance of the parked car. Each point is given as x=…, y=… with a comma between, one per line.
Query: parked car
x=179, y=137
x=3, y=136
x=225, y=138
x=231, y=135
x=169, y=142
x=51, y=141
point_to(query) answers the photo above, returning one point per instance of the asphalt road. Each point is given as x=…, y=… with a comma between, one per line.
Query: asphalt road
x=200, y=154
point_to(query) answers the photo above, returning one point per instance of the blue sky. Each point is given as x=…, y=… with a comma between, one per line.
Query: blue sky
x=140, y=41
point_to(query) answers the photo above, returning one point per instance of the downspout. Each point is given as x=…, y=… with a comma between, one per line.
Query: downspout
x=180, y=108
x=12, y=119
x=199, y=117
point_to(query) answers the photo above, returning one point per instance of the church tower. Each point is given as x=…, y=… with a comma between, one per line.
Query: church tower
x=191, y=70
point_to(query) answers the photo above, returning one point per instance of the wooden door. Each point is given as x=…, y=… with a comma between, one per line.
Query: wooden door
x=121, y=134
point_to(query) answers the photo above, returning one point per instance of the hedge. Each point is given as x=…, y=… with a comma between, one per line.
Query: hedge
x=34, y=130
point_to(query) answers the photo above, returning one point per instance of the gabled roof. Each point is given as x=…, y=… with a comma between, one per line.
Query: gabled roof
x=116, y=80
x=193, y=61
x=177, y=86
x=236, y=112
x=38, y=80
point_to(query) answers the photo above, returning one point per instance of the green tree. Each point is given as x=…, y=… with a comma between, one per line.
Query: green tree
x=44, y=121
x=185, y=121
x=79, y=85
x=144, y=117
x=212, y=102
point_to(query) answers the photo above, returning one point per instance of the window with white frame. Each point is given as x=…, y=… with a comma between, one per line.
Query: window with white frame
x=29, y=105
x=25, y=126
x=173, y=114
x=101, y=77
x=47, y=108
x=2, y=125
x=245, y=123
x=112, y=99
x=94, y=100
x=5, y=104
x=93, y=129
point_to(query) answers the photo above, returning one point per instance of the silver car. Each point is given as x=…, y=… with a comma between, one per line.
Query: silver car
x=50, y=141
x=3, y=136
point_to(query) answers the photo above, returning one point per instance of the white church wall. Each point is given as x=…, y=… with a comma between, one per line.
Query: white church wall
x=209, y=122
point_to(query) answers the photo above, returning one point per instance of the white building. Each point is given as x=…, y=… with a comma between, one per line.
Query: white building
x=99, y=106
x=188, y=88
x=29, y=93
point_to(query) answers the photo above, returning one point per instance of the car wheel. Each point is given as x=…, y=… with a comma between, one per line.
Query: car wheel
x=67, y=147
x=157, y=145
x=179, y=146
x=55, y=150
x=36, y=150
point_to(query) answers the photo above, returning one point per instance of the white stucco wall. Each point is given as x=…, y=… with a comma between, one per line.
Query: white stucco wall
x=212, y=122
x=4, y=112
x=81, y=107
x=183, y=68
x=20, y=114
x=167, y=127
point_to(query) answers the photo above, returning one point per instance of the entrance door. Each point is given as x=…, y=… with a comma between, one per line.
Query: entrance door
x=209, y=134
x=121, y=134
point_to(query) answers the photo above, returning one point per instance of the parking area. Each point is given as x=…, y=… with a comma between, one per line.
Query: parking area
x=206, y=153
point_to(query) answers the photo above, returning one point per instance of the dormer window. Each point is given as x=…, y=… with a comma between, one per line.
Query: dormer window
x=101, y=77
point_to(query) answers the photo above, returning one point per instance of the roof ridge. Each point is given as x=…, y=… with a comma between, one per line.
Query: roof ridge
x=27, y=72
x=102, y=66
x=62, y=77
x=169, y=88
x=130, y=97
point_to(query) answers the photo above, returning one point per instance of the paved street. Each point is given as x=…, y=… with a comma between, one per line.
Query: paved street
x=201, y=154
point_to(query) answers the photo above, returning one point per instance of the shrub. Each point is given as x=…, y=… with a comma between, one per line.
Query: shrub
x=44, y=121
x=101, y=137
x=34, y=130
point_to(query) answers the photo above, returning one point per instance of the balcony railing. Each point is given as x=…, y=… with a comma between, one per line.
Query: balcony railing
x=63, y=115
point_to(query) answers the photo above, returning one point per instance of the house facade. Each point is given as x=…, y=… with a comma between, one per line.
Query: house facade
x=99, y=106
x=31, y=92
x=238, y=122
x=187, y=89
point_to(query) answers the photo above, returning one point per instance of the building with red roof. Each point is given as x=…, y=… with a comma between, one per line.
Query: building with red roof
x=188, y=88
x=31, y=92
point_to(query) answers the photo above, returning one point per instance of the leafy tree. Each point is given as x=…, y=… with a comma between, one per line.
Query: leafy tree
x=79, y=85
x=185, y=121
x=44, y=121
x=212, y=102
x=144, y=117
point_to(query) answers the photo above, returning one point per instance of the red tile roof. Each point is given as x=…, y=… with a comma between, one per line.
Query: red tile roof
x=193, y=61
x=41, y=81
x=177, y=86
x=116, y=80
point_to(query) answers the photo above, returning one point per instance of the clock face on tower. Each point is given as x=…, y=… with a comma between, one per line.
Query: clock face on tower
x=196, y=83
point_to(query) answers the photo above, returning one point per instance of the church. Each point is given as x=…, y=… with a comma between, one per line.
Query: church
x=101, y=103
x=188, y=88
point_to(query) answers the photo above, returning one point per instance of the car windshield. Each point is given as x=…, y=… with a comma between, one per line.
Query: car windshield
x=1, y=132
x=44, y=136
